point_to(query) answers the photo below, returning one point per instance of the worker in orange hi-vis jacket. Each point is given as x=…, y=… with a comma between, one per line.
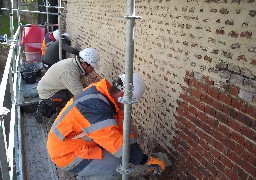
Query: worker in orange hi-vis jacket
x=87, y=135
x=48, y=39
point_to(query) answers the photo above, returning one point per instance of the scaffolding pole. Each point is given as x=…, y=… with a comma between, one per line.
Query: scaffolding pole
x=60, y=29
x=127, y=100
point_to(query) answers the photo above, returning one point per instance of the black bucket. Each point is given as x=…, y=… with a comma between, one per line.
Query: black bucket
x=30, y=72
x=30, y=77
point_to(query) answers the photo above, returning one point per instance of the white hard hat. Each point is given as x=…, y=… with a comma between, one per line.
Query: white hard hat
x=56, y=34
x=139, y=86
x=90, y=56
x=68, y=35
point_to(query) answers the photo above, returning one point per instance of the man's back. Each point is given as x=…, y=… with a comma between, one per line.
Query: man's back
x=62, y=75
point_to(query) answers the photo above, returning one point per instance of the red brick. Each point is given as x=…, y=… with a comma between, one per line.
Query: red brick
x=251, y=147
x=191, y=126
x=240, y=172
x=216, y=134
x=206, y=128
x=229, y=143
x=233, y=157
x=202, y=159
x=219, y=165
x=198, y=175
x=202, y=86
x=225, y=99
x=229, y=173
x=181, y=111
x=216, y=104
x=248, y=132
x=208, y=81
x=250, y=110
x=220, y=147
x=224, y=130
x=192, y=109
x=238, y=105
x=246, y=120
x=193, y=82
x=191, y=100
x=205, y=98
x=200, y=133
x=221, y=175
x=209, y=157
x=212, y=169
x=195, y=162
x=252, y=159
x=229, y=111
x=204, y=172
x=234, y=124
x=215, y=153
x=210, y=140
x=210, y=110
x=213, y=92
x=241, y=152
x=253, y=126
x=192, y=151
x=202, y=116
x=183, y=96
x=196, y=93
x=227, y=162
x=199, y=105
x=204, y=145
x=221, y=117
x=237, y=138
x=233, y=90
x=212, y=122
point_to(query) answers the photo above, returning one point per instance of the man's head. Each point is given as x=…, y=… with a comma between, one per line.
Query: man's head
x=67, y=35
x=118, y=87
x=89, y=58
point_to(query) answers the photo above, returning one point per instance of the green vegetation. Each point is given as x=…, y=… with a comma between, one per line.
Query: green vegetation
x=5, y=25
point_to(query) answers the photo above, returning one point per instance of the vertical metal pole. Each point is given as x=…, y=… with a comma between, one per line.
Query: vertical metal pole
x=128, y=88
x=47, y=15
x=3, y=155
x=11, y=17
x=60, y=29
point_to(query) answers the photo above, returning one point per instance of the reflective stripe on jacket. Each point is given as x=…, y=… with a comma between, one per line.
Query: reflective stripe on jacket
x=89, y=122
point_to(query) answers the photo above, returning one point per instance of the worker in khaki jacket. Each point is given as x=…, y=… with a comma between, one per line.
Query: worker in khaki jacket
x=63, y=81
x=87, y=136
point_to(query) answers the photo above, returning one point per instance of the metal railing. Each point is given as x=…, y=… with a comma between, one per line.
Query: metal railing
x=12, y=74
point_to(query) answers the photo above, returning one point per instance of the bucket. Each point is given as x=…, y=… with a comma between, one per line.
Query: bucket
x=33, y=47
x=33, y=56
x=30, y=77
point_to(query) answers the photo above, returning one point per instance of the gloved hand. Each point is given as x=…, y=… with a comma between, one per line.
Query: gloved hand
x=157, y=165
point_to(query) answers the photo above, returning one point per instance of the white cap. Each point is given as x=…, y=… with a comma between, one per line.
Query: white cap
x=139, y=86
x=56, y=34
x=90, y=56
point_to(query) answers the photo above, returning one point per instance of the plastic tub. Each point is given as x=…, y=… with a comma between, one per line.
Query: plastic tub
x=33, y=47
x=33, y=56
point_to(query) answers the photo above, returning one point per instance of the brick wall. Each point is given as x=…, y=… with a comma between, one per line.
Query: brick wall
x=198, y=60
x=216, y=132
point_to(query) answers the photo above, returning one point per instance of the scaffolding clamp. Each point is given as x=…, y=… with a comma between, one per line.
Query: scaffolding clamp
x=121, y=170
x=132, y=17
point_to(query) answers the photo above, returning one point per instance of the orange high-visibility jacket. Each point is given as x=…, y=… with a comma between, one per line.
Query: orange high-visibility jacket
x=89, y=122
x=48, y=39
